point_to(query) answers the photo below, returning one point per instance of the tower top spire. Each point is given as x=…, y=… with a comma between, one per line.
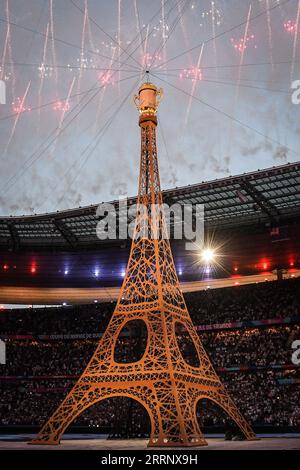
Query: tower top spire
x=147, y=101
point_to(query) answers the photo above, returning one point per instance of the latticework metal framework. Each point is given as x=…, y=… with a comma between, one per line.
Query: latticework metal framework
x=259, y=197
x=162, y=381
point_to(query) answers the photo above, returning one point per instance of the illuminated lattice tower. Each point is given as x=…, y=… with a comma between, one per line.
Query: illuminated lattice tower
x=162, y=381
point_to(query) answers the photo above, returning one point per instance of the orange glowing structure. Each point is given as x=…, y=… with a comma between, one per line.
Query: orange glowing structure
x=162, y=381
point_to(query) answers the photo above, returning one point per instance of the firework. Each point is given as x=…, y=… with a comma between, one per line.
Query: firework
x=213, y=27
x=119, y=42
x=242, y=46
x=139, y=31
x=193, y=73
x=82, y=61
x=44, y=71
x=4, y=75
x=163, y=25
x=63, y=106
x=7, y=51
x=105, y=77
x=291, y=27
x=19, y=107
x=162, y=28
x=151, y=60
x=90, y=36
x=185, y=38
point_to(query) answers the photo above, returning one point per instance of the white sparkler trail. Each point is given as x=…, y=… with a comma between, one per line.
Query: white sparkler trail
x=88, y=23
x=163, y=31
x=119, y=42
x=42, y=70
x=53, y=40
x=186, y=42
x=194, y=84
x=213, y=27
x=17, y=118
x=242, y=55
x=82, y=48
x=144, y=61
x=270, y=35
x=9, y=49
x=295, y=42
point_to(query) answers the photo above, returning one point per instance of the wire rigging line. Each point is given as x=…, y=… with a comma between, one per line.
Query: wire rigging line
x=238, y=121
x=49, y=103
x=223, y=33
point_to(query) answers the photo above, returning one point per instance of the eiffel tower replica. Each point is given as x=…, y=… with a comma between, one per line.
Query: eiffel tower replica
x=162, y=381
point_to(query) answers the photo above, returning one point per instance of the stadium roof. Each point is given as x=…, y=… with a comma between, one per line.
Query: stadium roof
x=264, y=196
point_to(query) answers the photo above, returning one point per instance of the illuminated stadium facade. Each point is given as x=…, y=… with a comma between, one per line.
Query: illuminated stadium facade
x=253, y=218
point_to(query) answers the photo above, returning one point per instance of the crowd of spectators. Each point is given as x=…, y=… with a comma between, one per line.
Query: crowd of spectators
x=258, y=395
x=270, y=299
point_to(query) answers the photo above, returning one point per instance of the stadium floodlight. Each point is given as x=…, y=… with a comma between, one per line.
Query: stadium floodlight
x=208, y=255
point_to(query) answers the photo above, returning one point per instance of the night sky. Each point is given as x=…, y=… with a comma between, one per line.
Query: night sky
x=69, y=132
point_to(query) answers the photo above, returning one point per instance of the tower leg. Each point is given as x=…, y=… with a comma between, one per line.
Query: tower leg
x=75, y=402
x=222, y=398
x=84, y=395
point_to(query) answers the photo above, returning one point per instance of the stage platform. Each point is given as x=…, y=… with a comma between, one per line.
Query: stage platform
x=99, y=442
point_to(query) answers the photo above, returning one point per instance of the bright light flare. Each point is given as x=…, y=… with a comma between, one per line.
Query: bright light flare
x=208, y=255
